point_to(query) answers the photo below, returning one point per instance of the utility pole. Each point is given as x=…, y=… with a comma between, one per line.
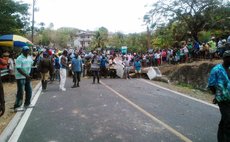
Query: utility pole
x=32, y=36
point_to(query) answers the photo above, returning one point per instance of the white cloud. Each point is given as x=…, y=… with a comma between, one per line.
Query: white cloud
x=116, y=15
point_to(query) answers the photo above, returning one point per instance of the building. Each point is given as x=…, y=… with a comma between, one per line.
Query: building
x=83, y=39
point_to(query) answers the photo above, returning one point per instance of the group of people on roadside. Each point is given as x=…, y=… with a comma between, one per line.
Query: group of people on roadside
x=186, y=51
x=218, y=82
x=23, y=65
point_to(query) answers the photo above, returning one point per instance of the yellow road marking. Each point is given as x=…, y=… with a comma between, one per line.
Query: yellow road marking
x=178, y=134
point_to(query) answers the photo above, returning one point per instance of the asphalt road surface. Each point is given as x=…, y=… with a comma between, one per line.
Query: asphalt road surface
x=118, y=110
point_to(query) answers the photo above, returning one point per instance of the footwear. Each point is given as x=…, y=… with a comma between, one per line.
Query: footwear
x=74, y=86
x=45, y=85
x=62, y=89
x=28, y=106
x=78, y=85
x=19, y=109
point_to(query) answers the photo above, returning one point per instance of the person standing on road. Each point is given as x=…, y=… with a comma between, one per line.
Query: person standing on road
x=219, y=84
x=137, y=67
x=95, y=68
x=103, y=68
x=57, y=68
x=77, y=69
x=22, y=74
x=45, y=66
x=63, y=68
x=126, y=64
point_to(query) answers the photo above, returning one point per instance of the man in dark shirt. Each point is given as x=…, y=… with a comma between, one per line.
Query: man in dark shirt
x=45, y=66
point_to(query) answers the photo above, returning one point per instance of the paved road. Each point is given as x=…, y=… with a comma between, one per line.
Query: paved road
x=119, y=110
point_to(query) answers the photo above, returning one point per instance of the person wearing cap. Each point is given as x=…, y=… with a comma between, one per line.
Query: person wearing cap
x=22, y=74
x=219, y=85
x=45, y=66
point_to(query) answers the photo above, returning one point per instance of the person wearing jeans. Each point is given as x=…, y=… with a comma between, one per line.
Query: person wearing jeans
x=77, y=69
x=23, y=84
x=23, y=68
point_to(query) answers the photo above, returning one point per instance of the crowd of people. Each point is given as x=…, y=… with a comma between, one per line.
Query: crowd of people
x=51, y=64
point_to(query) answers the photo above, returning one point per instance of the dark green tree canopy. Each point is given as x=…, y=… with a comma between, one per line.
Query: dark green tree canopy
x=14, y=17
x=195, y=15
x=100, y=38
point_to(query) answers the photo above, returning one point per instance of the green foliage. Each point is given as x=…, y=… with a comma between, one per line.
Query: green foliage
x=13, y=17
x=204, y=36
x=100, y=38
x=59, y=37
x=137, y=42
x=163, y=37
x=117, y=40
x=190, y=16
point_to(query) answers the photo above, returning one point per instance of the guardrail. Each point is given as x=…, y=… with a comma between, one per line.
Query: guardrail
x=4, y=72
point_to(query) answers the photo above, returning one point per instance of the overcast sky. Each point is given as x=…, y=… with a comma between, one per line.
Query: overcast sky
x=116, y=15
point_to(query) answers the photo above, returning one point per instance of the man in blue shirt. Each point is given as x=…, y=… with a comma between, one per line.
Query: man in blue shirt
x=137, y=67
x=77, y=69
x=219, y=84
x=103, y=68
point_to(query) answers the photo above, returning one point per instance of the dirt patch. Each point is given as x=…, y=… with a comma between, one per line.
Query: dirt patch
x=194, y=74
x=189, y=78
x=10, y=91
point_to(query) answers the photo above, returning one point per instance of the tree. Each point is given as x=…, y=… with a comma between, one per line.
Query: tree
x=136, y=42
x=100, y=38
x=197, y=15
x=14, y=17
x=150, y=26
x=117, y=40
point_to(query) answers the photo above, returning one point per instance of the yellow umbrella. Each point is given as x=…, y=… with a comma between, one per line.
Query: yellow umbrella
x=14, y=41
